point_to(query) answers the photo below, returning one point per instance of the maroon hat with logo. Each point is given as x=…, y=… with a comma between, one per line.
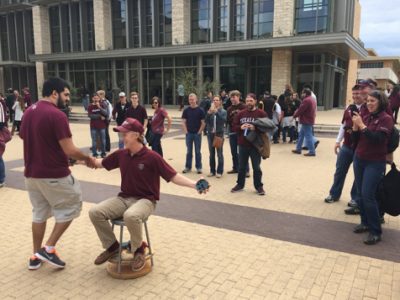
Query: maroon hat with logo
x=130, y=124
x=367, y=83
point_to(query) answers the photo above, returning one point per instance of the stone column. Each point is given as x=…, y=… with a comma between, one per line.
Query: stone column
x=281, y=70
x=351, y=78
x=283, y=18
x=102, y=24
x=41, y=31
x=180, y=22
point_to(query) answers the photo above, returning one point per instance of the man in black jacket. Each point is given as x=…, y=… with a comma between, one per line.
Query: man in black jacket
x=119, y=114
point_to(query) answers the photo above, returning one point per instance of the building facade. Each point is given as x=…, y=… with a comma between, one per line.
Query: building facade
x=144, y=45
x=383, y=69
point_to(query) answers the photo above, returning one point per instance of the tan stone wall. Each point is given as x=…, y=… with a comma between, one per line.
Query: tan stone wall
x=180, y=22
x=351, y=78
x=357, y=19
x=102, y=24
x=41, y=29
x=281, y=70
x=40, y=76
x=283, y=18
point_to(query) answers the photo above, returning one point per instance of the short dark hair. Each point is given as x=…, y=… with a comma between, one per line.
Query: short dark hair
x=307, y=91
x=252, y=95
x=54, y=84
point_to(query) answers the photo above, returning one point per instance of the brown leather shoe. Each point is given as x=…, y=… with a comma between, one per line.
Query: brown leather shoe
x=105, y=256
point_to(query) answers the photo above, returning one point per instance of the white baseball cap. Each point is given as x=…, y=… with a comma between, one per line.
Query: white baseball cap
x=122, y=94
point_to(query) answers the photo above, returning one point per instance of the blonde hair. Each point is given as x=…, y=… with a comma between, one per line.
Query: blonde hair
x=101, y=93
x=193, y=95
x=234, y=93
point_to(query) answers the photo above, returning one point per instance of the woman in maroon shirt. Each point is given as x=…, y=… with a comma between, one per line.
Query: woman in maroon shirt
x=157, y=124
x=371, y=132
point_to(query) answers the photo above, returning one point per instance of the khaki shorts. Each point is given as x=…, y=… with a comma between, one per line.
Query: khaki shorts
x=58, y=197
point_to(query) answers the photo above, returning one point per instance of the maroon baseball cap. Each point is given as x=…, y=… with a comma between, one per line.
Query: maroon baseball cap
x=367, y=83
x=130, y=124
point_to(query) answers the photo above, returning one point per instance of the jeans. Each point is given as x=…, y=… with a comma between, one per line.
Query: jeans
x=368, y=174
x=108, y=142
x=120, y=141
x=290, y=130
x=220, y=155
x=233, y=143
x=343, y=162
x=156, y=143
x=277, y=133
x=306, y=134
x=102, y=133
x=193, y=138
x=244, y=154
x=2, y=170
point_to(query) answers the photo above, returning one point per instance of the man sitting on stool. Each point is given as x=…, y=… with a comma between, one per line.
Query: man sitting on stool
x=140, y=169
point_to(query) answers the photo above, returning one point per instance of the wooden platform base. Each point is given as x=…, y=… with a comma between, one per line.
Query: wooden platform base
x=126, y=270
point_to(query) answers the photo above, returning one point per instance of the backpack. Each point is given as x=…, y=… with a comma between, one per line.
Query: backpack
x=388, y=193
x=393, y=142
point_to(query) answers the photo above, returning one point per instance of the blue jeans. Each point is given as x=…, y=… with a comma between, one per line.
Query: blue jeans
x=290, y=130
x=2, y=170
x=244, y=154
x=102, y=134
x=368, y=174
x=193, y=138
x=306, y=134
x=120, y=141
x=343, y=162
x=156, y=143
x=220, y=155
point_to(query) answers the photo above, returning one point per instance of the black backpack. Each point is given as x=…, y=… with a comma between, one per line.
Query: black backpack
x=388, y=194
x=393, y=142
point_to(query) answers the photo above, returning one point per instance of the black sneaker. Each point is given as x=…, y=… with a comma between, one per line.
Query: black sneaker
x=232, y=172
x=34, y=263
x=331, y=199
x=360, y=228
x=352, y=211
x=236, y=188
x=51, y=258
x=260, y=191
x=316, y=144
x=372, y=239
x=352, y=203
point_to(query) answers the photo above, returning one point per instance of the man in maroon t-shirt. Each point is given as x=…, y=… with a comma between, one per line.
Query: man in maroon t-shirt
x=141, y=170
x=137, y=111
x=242, y=124
x=51, y=187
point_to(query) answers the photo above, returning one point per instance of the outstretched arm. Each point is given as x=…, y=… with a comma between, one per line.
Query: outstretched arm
x=181, y=180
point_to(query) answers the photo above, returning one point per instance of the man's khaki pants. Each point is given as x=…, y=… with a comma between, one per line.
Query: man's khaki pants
x=133, y=211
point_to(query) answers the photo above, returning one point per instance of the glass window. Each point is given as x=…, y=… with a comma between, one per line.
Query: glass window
x=30, y=45
x=260, y=74
x=165, y=22
x=201, y=21
x=90, y=25
x=222, y=20
x=12, y=37
x=54, y=15
x=4, y=38
x=312, y=16
x=148, y=24
x=76, y=27
x=119, y=23
x=238, y=21
x=233, y=72
x=372, y=65
x=65, y=28
x=133, y=23
x=263, y=17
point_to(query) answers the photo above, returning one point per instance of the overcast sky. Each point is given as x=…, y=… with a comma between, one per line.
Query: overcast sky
x=380, y=26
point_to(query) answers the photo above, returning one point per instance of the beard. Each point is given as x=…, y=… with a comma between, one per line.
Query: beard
x=60, y=102
x=250, y=106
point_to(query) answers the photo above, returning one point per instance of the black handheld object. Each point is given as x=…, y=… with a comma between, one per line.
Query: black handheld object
x=353, y=109
x=202, y=185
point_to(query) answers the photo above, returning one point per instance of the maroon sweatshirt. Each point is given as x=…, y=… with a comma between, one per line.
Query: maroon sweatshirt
x=307, y=111
x=246, y=116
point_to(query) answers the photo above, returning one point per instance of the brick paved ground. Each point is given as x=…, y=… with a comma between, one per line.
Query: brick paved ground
x=202, y=261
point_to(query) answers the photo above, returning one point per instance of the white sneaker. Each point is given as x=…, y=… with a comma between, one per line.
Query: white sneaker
x=218, y=175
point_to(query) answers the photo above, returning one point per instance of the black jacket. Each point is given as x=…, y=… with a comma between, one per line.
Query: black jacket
x=119, y=113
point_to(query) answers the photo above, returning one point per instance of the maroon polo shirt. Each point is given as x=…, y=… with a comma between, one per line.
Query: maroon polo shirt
x=246, y=116
x=43, y=127
x=157, y=122
x=307, y=111
x=139, y=113
x=96, y=123
x=140, y=173
x=375, y=122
